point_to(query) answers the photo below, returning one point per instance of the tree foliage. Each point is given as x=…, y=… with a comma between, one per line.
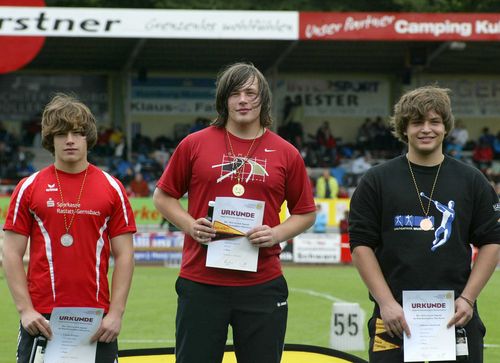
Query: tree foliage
x=298, y=5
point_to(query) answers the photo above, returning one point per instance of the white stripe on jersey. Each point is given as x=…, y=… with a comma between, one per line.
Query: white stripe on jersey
x=48, y=252
x=115, y=185
x=25, y=185
x=99, y=247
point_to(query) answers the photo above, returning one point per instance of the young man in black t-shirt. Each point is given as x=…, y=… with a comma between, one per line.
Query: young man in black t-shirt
x=411, y=223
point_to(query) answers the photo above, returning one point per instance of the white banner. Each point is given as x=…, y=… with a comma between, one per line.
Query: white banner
x=148, y=23
x=343, y=96
x=316, y=248
x=471, y=96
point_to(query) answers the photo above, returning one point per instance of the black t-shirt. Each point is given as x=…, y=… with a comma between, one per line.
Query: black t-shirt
x=385, y=214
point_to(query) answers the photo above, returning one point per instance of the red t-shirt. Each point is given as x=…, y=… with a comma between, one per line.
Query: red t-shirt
x=201, y=166
x=61, y=276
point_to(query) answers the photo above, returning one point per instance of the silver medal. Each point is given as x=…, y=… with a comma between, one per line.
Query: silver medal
x=66, y=240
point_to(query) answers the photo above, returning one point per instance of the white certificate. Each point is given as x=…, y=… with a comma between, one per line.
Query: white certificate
x=72, y=329
x=427, y=314
x=232, y=219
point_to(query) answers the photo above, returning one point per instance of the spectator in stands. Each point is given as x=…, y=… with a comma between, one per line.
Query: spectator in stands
x=327, y=144
x=321, y=220
x=69, y=250
x=326, y=185
x=364, y=135
x=199, y=124
x=138, y=186
x=482, y=155
x=239, y=158
x=344, y=223
x=411, y=222
x=457, y=140
x=486, y=137
x=496, y=147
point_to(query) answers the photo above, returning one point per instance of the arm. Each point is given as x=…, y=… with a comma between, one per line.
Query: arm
x=200, y=229
x=14, y=247
x=123, y=253
x=265, y=236
x=484, y=266
x=391, y=311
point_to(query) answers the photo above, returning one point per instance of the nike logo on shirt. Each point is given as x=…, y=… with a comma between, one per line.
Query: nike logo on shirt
x=269, y=150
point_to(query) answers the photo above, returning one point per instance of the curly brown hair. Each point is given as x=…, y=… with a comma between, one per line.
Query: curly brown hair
x=65, y=113
x=415, y=104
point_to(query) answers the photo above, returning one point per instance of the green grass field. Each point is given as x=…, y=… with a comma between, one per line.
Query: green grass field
x=150, y=316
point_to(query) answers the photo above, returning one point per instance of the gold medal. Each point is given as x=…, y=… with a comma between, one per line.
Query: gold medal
x=238, y=190
x=426, y=224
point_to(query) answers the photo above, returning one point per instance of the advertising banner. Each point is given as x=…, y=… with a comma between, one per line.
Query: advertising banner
x=173, y=96
x=349, y=96
x=399, y=26
x=471, y=96
x=148, y=23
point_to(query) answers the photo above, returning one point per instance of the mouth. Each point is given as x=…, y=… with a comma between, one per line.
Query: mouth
x=243, y=110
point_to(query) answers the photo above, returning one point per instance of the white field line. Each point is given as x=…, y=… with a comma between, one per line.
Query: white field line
x=317, y=294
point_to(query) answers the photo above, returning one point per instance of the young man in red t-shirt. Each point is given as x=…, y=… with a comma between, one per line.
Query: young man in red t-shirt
x=236, y=157
x=74, y=215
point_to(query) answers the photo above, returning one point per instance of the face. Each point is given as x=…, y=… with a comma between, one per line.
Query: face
x=244, y=105
x=70, y=148
x=425, y=137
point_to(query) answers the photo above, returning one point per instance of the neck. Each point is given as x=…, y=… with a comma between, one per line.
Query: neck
x=425, y=160
x=71, y=168
x=245, y=131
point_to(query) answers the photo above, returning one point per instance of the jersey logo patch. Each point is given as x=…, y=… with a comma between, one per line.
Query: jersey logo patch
x=51, y=203
x=51, y=188
x=253, y=169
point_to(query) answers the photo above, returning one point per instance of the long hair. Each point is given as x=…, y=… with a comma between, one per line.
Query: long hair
x=234, y=77
x=415, y=104
x=66, y=113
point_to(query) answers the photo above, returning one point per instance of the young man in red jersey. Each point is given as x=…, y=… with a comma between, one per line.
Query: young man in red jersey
x=236, y=157
x=75, y=216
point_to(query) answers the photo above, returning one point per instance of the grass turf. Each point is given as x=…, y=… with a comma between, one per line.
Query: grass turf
x=150, y=316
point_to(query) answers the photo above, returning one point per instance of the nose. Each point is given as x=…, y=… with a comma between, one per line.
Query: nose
x=70, y=137
x=426, y=127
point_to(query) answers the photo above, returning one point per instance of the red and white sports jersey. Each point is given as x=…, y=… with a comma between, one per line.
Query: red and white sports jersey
x=75, y=275
x=274, y=172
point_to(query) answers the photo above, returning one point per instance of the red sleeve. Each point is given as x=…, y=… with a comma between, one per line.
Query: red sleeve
x=299, y=197
x=122, y=221
x=19, y=218
x=175, y=179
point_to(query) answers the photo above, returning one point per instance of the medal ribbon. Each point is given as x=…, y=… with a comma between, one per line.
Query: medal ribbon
x=77, y=202
x=418, y=191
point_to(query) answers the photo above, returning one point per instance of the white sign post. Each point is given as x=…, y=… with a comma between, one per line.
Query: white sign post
x=347, y=326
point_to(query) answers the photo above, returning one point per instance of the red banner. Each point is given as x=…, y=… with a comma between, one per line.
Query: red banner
x=399, y=26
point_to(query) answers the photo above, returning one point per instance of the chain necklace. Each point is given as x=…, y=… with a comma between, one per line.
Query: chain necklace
x=67, y=238
x=238, y=188
x=426, y=223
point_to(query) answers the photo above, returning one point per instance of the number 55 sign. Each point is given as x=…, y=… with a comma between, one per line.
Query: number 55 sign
x=347, y=326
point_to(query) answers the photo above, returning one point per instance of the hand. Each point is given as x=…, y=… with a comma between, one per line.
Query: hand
x=108, y=330
x=202, y=231
x=463, y=313
x=35, y=324
x=262, y=236
x=394, y=320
